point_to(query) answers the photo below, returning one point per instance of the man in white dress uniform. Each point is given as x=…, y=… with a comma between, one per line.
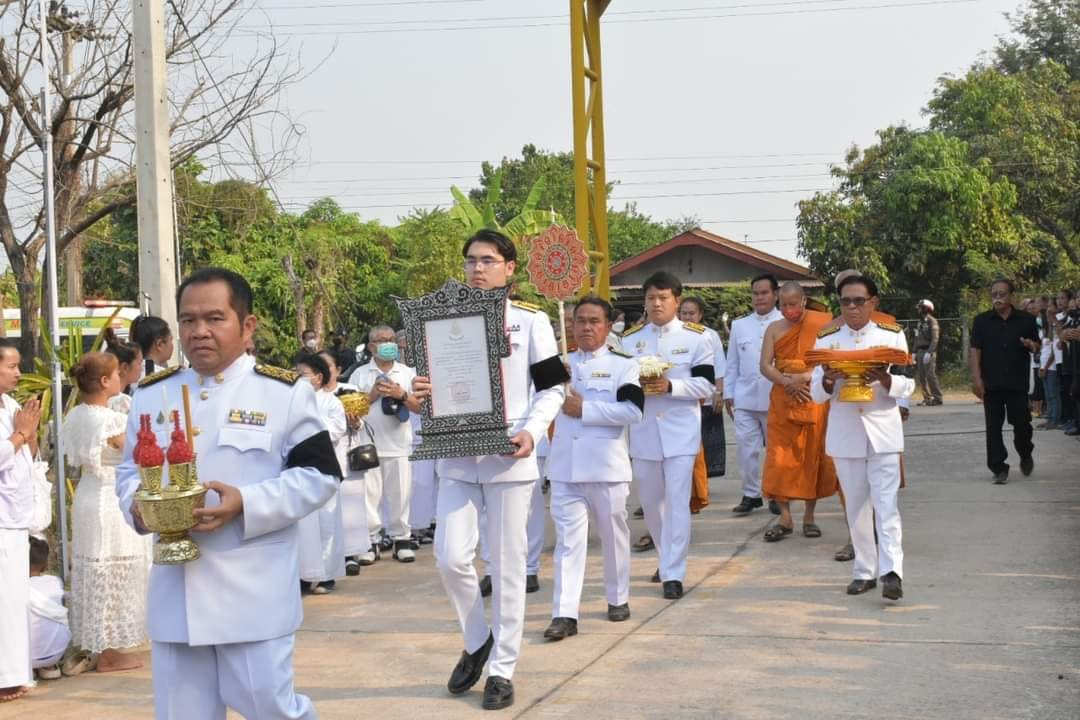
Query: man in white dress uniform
x=502, y=486
x=664, y=445
x=747, y=390
x=866, y=440
x=222, y=625
x=18, y=438
x=589, y=468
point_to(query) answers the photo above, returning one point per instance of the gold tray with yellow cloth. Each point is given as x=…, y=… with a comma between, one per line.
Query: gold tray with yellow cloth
x=854, y=364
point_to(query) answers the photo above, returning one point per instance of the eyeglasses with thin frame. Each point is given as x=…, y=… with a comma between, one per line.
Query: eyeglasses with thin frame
x=482, y=262
x=856, y=301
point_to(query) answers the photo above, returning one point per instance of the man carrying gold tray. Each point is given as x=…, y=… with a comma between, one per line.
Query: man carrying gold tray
x=865, y=439
x=222, y=625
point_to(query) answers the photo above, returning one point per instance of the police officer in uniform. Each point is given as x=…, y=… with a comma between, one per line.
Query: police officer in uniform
x=664, y=445
x=747, y=390
x=927, y=337
x=502, y=486
x=589, y=467
x=266, y=457
x=866, y=440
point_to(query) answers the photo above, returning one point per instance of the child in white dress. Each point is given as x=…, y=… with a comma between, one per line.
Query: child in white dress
x=49, y=632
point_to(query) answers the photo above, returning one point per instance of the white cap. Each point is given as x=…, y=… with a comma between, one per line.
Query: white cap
x=927, y=304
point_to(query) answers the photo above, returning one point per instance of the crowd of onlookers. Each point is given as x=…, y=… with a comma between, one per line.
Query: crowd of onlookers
x=1054, y=387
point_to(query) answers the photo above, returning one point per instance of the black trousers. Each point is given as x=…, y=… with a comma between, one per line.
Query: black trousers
x=1068, y=402
x=999, y=405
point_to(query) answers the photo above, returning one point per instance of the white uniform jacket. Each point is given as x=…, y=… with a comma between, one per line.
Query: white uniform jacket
x=852, y=424
x=264, y=435
x=743, y=381
x=594, y=447
x=672, y=424
x=532, y=385
x=16, y=483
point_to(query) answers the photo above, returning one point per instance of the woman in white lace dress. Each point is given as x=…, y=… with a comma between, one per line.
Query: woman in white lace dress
x=110, y=562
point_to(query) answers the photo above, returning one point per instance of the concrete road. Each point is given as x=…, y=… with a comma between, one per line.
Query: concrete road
x=989, y=626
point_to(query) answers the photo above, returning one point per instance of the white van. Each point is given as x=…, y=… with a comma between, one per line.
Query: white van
x=88, y=320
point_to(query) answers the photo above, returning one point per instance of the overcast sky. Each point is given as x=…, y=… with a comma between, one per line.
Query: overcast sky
x=728, y=110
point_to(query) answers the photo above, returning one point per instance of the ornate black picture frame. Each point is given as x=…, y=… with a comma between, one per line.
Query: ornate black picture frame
x=448, y=435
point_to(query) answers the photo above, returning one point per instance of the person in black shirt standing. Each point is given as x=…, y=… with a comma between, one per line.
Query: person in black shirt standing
x=1002, y=341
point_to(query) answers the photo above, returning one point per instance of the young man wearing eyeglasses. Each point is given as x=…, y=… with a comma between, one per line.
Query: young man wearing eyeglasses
x=501, y=486
x=866, y=439
x=1002, y=341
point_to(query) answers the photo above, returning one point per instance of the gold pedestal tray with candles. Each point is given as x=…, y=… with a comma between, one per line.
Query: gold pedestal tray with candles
x=169, y=510
x=652, y=367
x=855, y=387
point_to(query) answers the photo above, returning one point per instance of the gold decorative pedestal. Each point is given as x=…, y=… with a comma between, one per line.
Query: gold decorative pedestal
x=855, y=388
x=168, y=511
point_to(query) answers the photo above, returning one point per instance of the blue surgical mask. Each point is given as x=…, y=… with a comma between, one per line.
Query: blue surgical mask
x=386, y=351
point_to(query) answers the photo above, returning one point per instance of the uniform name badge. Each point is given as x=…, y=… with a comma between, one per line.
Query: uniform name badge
x=457, y=336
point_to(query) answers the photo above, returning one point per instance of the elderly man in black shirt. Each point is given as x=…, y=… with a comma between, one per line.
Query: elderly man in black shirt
x=1002, y=340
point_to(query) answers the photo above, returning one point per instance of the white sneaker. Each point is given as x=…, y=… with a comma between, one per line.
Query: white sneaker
x=370, y=557
x=403, y=551
x=49, y=673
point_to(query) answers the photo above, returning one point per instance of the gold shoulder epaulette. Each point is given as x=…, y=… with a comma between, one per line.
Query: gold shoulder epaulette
x=289, y=377
x=632, y=330
x=891, y=327
x=526, y=306
x=159, y=376
x=694, y=327
x=828, y=331
x=620, y=353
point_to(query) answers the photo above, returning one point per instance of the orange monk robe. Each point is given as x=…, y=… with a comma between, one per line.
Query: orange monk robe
x=796, y=466
x=699, y=489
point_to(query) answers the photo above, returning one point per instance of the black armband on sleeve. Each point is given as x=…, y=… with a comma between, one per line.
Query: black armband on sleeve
x=633, y=393
x=704, y=371
x=907, y=371
x=548, y=373
x=315, y=452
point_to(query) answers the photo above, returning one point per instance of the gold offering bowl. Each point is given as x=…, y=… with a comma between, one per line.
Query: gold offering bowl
x=356, y=405
x=653, y=370
x=168, y=511
x=855, y=387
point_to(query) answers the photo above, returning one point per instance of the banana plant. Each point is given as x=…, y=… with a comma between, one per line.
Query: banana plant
x=530, y=221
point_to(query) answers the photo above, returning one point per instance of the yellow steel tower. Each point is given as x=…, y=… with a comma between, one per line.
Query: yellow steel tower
x=590, y=193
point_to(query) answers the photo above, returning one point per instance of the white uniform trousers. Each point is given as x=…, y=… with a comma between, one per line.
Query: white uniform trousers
x=321, y=537
x=357, y=540
x=750, y=432
x=425, y=491
x=15, y=670
x=570, y=507
x=664, y=488
x=535, y=529
x=391, y=481
x=870, y=488
x=456, y=534
x=255, y=679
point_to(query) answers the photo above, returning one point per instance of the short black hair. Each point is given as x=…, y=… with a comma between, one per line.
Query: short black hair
x=240, y=296
x=609, y=312
x=503, y=244
x=329, y=357
x=1004, y=281
x=662, y=280
x=317, y=365
x=1068, y=293
x=766, y=276
x=695, y=301
x=307, y=332
x=146, y=330
x=39, y=553
x=870, y=285
x=12, y=344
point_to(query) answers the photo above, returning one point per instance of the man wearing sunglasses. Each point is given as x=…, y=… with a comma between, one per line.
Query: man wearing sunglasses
x=866, y=439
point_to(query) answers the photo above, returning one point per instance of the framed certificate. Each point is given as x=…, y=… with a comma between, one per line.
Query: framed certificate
x=456, y=336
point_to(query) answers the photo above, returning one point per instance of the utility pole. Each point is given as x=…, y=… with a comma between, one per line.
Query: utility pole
x=153, y=169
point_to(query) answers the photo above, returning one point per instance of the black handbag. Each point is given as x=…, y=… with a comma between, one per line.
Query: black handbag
x=364, y=457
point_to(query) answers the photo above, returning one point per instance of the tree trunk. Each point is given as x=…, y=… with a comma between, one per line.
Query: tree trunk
x=318, y=317
x=297, y=287
x=28, y=314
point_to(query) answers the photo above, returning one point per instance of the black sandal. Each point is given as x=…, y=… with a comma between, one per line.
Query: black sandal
x=811, y=530
x=778, y=532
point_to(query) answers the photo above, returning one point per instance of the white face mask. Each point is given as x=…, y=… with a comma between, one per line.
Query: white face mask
x=310, y=344
x=618, y=326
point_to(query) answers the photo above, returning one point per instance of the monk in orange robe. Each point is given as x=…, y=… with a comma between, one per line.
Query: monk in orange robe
x=796, y=466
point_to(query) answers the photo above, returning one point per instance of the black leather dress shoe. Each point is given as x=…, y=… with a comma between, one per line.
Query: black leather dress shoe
x=561, y=627
x=858, y=587
x=618, y=613
x=469, y=668
x=485, y=586
x=1027, y=464
x=639, y=513
x=1000, y=478
x=747, y=505
x=891, y=587
x=645, y=544
x=655, y=576
x=532, y=583
x=672, y=590
x=498, y=693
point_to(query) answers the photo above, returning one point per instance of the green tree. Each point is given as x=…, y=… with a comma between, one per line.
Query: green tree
x=1046, y=30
